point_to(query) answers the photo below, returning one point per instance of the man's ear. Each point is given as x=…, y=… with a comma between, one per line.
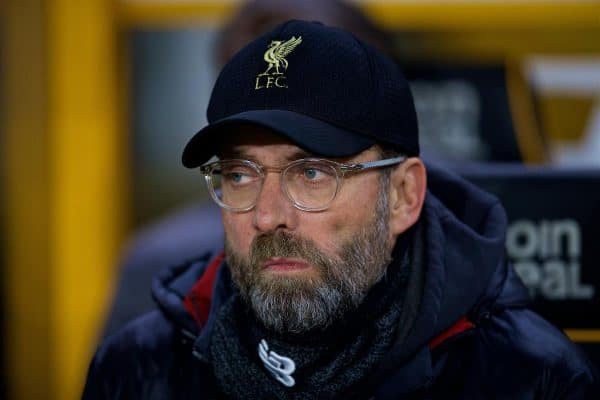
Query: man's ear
x=408, y=184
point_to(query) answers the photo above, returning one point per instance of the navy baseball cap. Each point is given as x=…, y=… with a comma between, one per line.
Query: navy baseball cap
x=318, y=86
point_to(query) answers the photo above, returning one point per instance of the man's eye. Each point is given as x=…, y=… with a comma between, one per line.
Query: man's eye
x=316, y=174
x=312, y=173
x=237, y=177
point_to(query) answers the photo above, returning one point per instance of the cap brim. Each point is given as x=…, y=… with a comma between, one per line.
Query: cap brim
x=313, y=135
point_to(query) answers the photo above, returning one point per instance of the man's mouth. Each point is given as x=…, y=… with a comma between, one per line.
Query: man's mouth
x=281, y=264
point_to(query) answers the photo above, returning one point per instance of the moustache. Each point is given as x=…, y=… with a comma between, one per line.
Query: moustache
x=279, y=244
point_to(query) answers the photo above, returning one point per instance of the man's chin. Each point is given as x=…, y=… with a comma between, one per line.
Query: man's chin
x=293, y=303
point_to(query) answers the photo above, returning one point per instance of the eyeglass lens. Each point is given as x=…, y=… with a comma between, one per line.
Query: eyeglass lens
x=309, y=184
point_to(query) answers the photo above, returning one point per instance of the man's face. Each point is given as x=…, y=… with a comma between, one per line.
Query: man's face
x=301, y=270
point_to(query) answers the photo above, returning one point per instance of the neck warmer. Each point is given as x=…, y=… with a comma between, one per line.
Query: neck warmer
x=325, y=364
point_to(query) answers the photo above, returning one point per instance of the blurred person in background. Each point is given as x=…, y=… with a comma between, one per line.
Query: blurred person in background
x=463, y=116
x=349, y=271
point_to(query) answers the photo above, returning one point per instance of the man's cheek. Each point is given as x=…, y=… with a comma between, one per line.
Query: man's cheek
x=334, y=242
x=238, y=240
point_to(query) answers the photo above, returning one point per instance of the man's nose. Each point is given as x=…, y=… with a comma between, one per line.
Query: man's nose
x=273, y=209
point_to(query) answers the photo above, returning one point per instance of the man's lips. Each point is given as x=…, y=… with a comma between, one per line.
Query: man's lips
x=285, y=264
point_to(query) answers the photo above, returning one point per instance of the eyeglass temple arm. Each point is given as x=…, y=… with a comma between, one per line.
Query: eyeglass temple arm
x=375, y=164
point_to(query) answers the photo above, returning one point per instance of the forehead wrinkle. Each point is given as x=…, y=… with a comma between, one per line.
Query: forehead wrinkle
x=241, y=152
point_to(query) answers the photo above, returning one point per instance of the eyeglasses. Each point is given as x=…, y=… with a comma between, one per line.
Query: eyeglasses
x=311, y=184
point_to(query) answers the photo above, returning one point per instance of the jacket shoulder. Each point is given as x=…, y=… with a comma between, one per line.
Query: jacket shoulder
x=531, y=353
x=131, y=361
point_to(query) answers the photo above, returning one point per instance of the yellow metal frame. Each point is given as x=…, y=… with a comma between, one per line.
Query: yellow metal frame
x=410, y=15
x=584, y=335
x=65, y=157
x=65, y=149
x=529, y=138
x=25, y=190
x=88, y=171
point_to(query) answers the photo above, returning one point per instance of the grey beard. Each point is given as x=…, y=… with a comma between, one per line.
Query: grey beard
x=300, y=304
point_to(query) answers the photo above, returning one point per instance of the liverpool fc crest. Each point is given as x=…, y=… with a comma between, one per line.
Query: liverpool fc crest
x=275, y=58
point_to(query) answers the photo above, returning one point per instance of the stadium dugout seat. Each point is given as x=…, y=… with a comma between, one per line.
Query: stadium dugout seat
x=552, y=239
x=475, y=113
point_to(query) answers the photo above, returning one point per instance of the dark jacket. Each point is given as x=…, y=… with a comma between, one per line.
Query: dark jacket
x=473, y=337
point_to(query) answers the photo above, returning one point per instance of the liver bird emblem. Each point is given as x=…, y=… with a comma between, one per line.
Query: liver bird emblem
x=278, y=50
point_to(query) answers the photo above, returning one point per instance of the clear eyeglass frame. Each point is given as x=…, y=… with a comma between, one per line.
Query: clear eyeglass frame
x=341, y=170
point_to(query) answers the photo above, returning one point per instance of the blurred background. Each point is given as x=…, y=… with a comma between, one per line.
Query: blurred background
x=98, y=98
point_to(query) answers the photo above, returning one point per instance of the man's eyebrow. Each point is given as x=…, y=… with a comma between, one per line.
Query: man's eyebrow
x=231, y=154
x=237, y=154
x=298, y=154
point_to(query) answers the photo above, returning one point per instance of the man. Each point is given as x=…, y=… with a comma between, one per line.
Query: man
x=175, y=237
x=345, y=274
